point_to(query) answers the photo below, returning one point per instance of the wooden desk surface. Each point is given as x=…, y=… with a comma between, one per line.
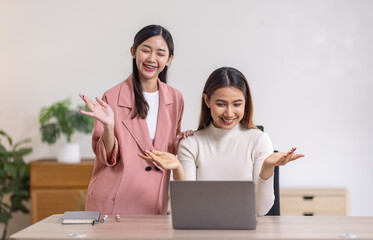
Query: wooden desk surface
x=160, y=227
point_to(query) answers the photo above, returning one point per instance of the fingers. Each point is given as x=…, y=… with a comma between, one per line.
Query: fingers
x=156, y=159
x=284, y=159
x=296, y=156
x=147, y=158
x=188, y=133
x=89, y=102
x=85, y=98
x=102, y=103
x=290, y=152
x=158, y=153
x=291, y=156
x=87, y=113
x=152, y=155
x=179, y=136
x=184, y=134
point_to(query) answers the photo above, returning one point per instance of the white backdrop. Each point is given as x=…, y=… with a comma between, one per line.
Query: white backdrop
x=309, y=65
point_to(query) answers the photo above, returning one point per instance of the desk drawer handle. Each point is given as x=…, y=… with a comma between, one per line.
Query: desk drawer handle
x=308, y=197
x=307, y=214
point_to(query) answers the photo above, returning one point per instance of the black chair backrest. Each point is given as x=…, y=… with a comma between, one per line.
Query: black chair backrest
x=275, y=210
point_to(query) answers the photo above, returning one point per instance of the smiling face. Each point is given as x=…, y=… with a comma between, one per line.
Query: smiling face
x=227, y=106
x=151, y=56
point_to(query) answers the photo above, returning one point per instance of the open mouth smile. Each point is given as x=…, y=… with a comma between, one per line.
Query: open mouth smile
x=149, y=68
x=228, y=121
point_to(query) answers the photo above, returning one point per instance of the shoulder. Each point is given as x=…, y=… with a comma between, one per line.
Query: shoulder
x=188, y=142
x=259, y=139
x=171, y=92
x=254, y=133
x=256, y=136
x=125, y=85
x=123, y=90
x=114, y=90
x=196, y=139
x=193, y=142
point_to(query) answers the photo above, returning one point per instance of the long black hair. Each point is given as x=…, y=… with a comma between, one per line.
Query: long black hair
x=141, y=106
x=226, y=77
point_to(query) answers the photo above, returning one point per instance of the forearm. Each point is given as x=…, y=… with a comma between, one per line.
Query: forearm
x=179, y=173
x=108, y=139
x=264, y=196
x=266, y=171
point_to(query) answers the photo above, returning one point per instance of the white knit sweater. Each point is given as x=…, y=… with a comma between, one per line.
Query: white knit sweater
x=236, y=154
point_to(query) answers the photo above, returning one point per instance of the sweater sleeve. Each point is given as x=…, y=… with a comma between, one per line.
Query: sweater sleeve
x=264, y=192
x=187, y=154
x=98, y=145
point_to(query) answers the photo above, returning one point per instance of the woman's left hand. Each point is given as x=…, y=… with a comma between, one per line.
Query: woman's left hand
x=280, y=158
x=164, y=160
x=277, y=159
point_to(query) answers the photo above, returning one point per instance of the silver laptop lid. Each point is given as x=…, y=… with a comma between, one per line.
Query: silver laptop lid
x=213, y=204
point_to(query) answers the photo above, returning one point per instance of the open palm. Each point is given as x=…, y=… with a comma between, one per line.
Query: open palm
x=164, y=160
x=99, y=110
x=280, y=158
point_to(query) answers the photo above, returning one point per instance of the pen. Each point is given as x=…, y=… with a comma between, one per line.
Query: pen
x=93, y=222
x=104, y=218
x=117, y=217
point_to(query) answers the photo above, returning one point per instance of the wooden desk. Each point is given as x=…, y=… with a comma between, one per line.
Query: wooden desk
x=160, y=227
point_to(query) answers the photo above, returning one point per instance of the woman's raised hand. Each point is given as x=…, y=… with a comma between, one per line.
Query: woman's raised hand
x=99, y=110
x=280, y=158
x=165, y=160
x=277, y=159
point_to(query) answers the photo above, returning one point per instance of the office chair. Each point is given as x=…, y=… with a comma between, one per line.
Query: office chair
x=275, y=210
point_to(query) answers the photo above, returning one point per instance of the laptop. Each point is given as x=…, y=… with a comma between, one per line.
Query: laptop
x=213, y=204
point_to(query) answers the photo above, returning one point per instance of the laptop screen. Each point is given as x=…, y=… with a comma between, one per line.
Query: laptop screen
x=213, y=204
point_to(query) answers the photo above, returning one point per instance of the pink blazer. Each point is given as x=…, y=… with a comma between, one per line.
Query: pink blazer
x=127, y=184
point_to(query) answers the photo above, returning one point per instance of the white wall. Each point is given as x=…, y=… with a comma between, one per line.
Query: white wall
x=309, y=64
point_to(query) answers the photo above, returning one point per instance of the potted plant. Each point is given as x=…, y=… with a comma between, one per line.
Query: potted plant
x=14, y=179
x=60, y=118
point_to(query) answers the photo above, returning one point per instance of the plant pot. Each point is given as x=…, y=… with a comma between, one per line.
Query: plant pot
x=70, y=153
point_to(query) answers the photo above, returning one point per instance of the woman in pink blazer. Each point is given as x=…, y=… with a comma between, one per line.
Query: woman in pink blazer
x=142, y=112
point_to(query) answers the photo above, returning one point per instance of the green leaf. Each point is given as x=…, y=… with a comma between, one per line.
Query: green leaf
x=10, y=169
x=60, y=118
x=24, y=171
x=5, y=153
x=21, y=194
x=22, y=151
x=14, y=178
x=50, y=132
x=4, y=217
x=7, y=136
x=21, y=142
x=5, y=205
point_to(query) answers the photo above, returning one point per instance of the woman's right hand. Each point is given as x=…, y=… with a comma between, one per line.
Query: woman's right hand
x=180, y=136
x=99, y=110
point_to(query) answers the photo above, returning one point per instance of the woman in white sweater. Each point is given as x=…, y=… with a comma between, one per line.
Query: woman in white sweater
x=227, y=145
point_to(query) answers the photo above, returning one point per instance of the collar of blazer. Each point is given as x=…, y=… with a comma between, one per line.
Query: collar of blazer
x=138, y=126
x=127, y=97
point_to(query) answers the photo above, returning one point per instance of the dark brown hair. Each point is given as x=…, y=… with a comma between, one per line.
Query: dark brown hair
x=226, y=77
x=141, y=106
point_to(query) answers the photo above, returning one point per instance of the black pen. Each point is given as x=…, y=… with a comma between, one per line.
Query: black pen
x=93, y=222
